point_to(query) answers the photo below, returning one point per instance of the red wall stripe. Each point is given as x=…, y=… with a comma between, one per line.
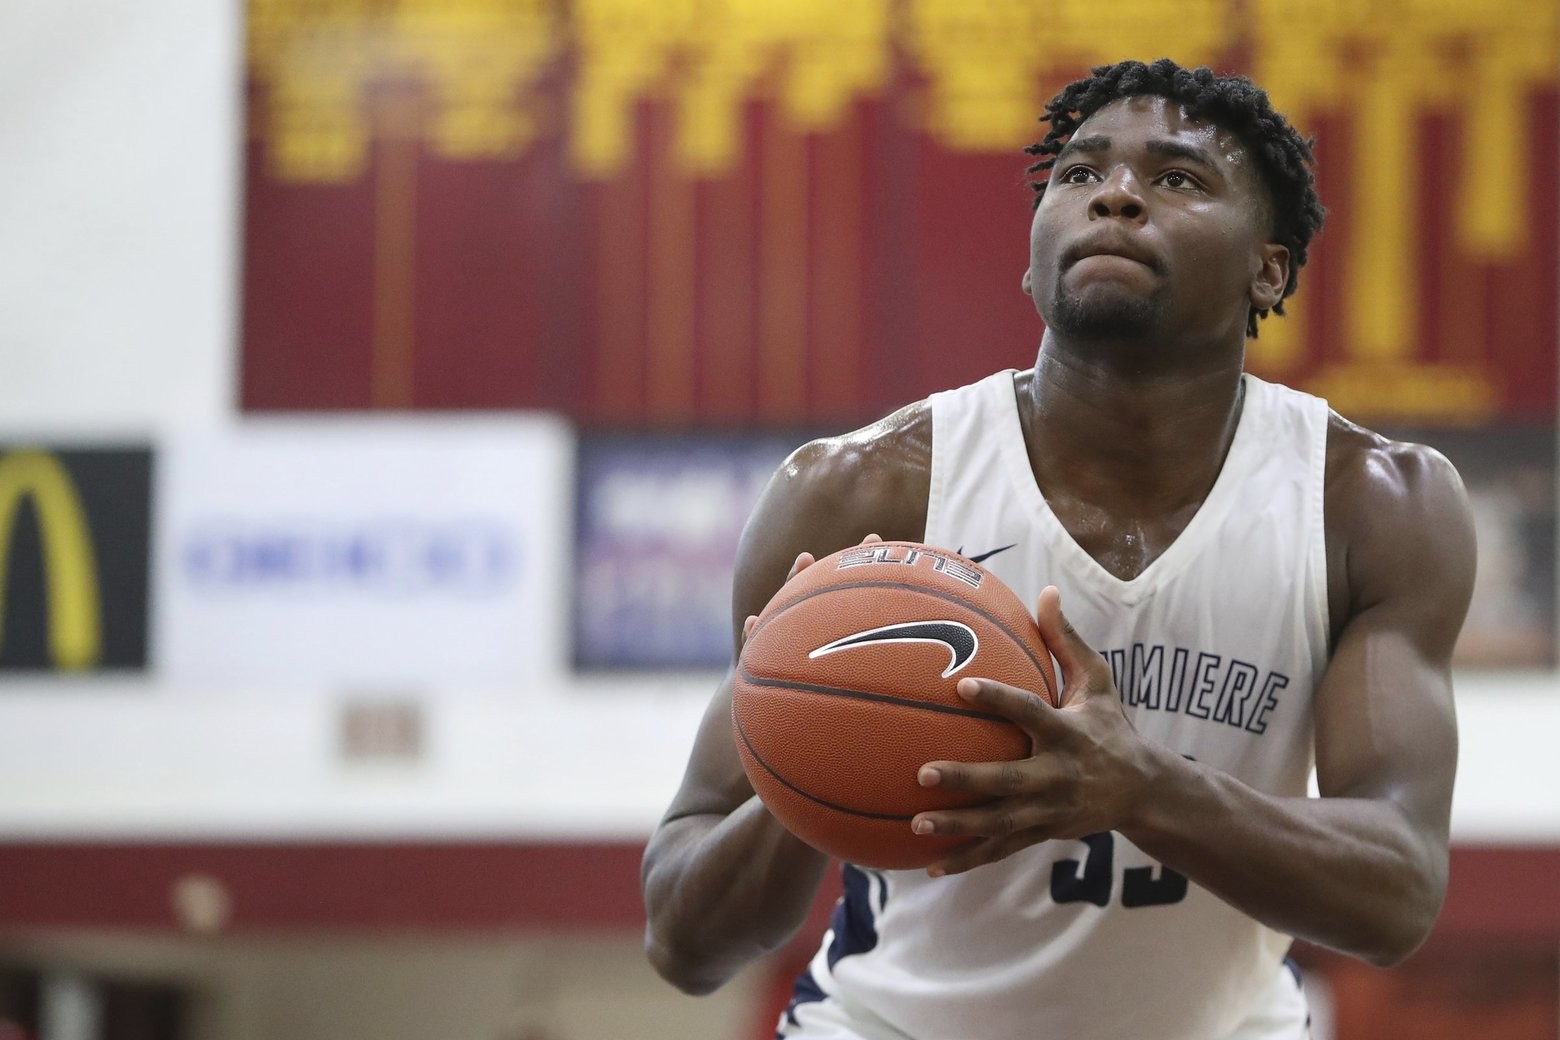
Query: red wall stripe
x=1496, y=891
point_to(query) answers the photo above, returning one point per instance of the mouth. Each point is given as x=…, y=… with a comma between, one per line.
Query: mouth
x=1117, y=247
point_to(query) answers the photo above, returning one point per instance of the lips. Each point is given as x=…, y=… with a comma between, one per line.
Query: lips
x=1112, y=245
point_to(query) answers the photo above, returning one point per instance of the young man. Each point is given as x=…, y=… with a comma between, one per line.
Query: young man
x=1257, y=586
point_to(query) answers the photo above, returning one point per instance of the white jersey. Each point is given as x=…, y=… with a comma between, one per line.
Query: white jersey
x=1216, y=648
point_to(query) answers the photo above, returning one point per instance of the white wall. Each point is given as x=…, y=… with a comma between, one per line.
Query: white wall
x=119, y=200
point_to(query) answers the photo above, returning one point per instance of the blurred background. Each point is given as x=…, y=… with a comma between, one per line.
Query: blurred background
x=384, y=384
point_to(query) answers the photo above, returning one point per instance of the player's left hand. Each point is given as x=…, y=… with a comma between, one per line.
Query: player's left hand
x=1088, y=769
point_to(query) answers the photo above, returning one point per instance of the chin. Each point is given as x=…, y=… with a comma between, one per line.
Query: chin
x=1104, y=315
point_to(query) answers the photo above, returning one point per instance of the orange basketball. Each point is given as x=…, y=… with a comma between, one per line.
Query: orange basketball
x=846, y=687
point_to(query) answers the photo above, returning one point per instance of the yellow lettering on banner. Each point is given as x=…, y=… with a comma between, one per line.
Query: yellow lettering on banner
x=1380, y=265
x=1300, y=77
x=319, y=58
x=1303, y=71
x=1410, y=391
x=1518, y=49
x=1492, y=221
x=721, y=67
x=709, y=57
x=624, y=48
x=1385, y=65
x=314, y=58
x=1193, y=32
x=69, y=564
x=1305, y=53
x=984, y=59
x=838, y=52
x=479, y=56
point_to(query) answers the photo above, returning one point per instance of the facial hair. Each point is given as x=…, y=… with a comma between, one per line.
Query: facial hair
x=1104, y=315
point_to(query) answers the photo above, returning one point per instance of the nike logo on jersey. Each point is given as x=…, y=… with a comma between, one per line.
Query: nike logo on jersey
x=983, y=557
x=959, y=639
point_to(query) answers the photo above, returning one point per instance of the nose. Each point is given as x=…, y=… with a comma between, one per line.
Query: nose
x=1118, y=196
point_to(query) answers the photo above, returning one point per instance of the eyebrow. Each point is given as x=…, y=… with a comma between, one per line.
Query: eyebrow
x=1097, y=143
x=1180, y=150
x=1154, y=146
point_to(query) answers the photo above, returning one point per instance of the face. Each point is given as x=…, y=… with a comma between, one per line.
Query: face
x=1154, y=225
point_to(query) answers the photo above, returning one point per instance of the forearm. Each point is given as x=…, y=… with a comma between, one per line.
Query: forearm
x=722, y=891
x=1353, y=874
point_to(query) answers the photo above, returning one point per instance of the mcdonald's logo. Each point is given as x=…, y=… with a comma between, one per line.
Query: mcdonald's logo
x=74, y=541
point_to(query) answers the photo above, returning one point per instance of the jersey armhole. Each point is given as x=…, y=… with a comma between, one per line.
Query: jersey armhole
x=934, y=492
x=1318, y=606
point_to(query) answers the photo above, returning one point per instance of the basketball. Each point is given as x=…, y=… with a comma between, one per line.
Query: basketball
x=846, y=687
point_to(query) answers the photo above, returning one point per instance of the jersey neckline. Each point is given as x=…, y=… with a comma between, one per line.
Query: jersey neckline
x=1186, y=545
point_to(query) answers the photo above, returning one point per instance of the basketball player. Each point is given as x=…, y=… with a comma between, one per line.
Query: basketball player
x=1252, y=585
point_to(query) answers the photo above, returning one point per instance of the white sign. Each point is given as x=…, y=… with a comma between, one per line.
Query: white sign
x=381, y=552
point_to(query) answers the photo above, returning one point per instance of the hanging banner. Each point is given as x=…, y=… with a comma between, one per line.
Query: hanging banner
x=657, y=525
x=810, y=212
x=381, y=553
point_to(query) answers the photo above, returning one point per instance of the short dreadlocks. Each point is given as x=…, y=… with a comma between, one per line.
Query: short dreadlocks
x=1231, y=102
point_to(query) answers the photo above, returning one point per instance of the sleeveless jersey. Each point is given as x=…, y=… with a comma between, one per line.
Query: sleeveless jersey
x=1216, y=649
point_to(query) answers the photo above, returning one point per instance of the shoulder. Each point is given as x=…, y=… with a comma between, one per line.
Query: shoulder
x=1360, y=455
x=870, y=475
x=831, y=493
x=1399, y=527
x=1371, y=477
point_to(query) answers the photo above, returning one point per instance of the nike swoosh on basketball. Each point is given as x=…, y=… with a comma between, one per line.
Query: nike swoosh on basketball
x=983, y=557
x=960, y=640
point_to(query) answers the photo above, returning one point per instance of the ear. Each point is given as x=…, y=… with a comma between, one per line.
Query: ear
x=1027, y=283
x=1270, y=275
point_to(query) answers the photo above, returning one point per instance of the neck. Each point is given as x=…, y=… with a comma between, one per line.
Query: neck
x=1111, y=428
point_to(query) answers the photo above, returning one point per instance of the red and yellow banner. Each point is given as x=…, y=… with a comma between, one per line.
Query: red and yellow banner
x=688, y=212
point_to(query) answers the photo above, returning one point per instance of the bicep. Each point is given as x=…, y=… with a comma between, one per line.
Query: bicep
x=1385, y=721
x=1385, y=724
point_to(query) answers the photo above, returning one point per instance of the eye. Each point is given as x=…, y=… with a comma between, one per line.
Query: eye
x=1076, y=175
x=1178, y=179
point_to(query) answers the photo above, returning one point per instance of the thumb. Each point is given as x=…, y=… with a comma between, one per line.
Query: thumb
x=1083, y=669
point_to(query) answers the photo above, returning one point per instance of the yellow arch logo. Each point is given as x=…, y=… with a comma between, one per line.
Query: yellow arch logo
x=69, y=565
